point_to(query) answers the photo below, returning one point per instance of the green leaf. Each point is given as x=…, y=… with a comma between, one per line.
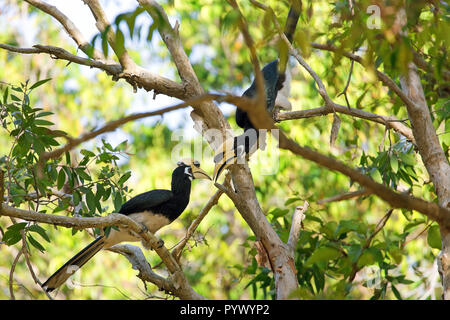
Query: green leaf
x=12, y=234
x=35, y=243
x=83, y=174
x=87, y=153
x=323, y=254
x=124, y=178
x=291, y=200
x=434, y=237
x=354, y=252
x=41, y=231
x=394, y=163
x=277, y=213
x=90, y=200
x=396, y=293
x=117, y=201
x=408, y=159
x=44, y=114
x=39, y=83
x=17, y=227
x=61, y=178
x=76, y=198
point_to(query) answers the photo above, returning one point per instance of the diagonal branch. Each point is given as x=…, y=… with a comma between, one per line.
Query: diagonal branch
x=104, y=26
x=190, y=231
x=380, y=225
x=397, y=200
x=70, y=28
x=191, y=85
x=113, y=125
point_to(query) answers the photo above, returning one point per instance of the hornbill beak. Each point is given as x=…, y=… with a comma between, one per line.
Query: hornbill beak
x=197, y=172
x=226, y=155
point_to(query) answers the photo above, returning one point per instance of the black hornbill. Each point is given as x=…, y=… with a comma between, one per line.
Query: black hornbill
x=276, y=87
x=153, y=209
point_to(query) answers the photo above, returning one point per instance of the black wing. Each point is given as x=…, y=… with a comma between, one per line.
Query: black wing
x=272, y=82
x=146, y=201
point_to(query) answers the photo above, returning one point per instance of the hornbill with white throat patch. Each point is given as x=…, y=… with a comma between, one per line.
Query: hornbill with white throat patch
x=153, y=209
x=277, y=90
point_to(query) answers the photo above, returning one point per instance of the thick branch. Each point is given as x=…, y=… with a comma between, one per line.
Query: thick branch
x=434, y=159
x=207, y=110
x=113, y=219
x=138, y=77
x=297, y=219
x=105, y=28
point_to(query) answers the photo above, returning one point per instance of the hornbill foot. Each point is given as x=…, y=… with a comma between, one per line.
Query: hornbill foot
x=144, y=228
x=160, y=243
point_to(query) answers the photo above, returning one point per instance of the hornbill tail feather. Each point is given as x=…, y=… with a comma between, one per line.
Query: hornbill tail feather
x=71, y=266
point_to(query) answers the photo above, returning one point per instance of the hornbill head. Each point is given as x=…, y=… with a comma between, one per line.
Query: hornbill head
x=193, y=170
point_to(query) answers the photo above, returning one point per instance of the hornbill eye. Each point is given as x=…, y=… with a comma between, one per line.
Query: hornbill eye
x=196, y=163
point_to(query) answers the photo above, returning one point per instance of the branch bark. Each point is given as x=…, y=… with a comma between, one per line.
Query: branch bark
x=390, y=122
x=114, y=219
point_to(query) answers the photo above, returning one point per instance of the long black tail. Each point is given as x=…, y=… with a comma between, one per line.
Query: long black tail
x=71, y=266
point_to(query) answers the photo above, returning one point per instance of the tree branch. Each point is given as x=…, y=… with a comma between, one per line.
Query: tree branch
x=178, y=249
x=113, y=125
x=139, y=77
x=104, y=26
x=113, y=219
x=297, y=219
x=380, y=75
x=380, y=225
x=345, y=196
x=70, y=28
x=389, y=121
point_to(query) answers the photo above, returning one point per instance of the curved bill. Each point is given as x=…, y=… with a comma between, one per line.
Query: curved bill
x=197, y=172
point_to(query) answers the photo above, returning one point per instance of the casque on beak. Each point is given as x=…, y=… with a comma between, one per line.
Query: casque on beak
x=197, y=172
x=226, y=155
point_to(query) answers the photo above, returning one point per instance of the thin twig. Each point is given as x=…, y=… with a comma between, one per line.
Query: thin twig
x=380, y=225
x=178, y=249
x=344, y=92
x=345, y=196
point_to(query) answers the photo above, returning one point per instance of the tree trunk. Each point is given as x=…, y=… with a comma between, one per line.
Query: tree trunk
x=433, y=158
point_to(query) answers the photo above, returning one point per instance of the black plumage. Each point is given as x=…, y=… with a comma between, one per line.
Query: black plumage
x=153, y=209
x=247, y=142
x=273, y=82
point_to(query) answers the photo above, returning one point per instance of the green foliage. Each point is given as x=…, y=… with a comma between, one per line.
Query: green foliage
x=338, y=254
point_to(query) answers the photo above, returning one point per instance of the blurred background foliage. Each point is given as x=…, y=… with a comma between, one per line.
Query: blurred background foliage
x=338, y=257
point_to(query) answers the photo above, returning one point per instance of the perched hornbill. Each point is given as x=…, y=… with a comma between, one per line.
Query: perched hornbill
x=153, y=209
x=247, y=143
x=276, y=87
